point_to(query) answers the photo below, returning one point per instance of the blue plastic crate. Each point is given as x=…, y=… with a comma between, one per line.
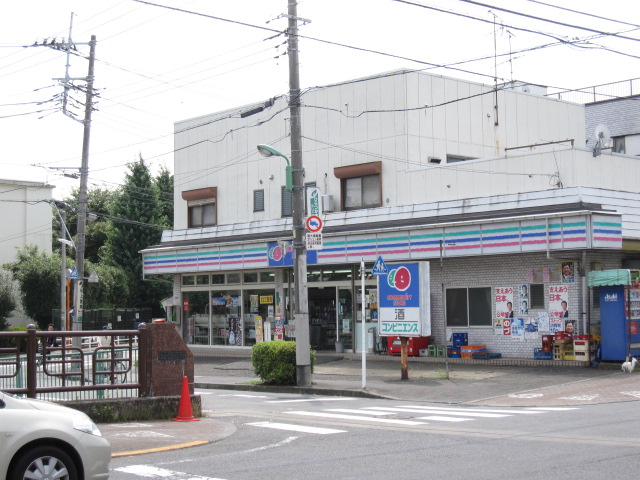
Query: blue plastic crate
x=487, y=355
x=460, y=339
x=538, y=354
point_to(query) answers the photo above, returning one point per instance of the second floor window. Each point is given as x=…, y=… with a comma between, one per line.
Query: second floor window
x=361, y=185
x=202, y=215
x=361, y=192
x=201, y=207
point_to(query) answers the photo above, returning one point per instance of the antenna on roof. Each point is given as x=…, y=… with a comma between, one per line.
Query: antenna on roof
x=603, y=137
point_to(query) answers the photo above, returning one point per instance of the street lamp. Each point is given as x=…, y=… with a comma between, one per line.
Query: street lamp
x=268, y=151
x=300, y=297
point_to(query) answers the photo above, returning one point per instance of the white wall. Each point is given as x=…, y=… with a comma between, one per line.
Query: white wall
x=382, y=119
x=25, y=217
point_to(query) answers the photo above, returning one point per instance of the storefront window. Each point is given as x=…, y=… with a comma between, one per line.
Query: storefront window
x=198, y=322
x=336, y=274
x=267, y=277
x=314, y=275
x=188, y=280
x=250, y=277
x=217, y=279
x=202, y=279
x=233, y=278
x=225, y=318
x=259, y=307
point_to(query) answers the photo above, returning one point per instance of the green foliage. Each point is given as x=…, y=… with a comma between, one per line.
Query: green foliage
x=99, y=202
x=110, y=291
x=275, y=362
x=164, y=185
x=11, y=342
x=7, y=299
x=136, y=214
x=38, y=276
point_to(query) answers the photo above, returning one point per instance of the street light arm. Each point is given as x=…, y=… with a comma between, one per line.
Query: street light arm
x=269, y=151
x=64, y=225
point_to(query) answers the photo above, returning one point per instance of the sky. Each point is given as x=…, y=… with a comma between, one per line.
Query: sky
x=156, y=66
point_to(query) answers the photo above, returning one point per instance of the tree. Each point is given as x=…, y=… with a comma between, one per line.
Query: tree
x=99, y=203
x=110, y=290
x=164, y=184
x=7, y=299
x=135, y=215
x=38, y=276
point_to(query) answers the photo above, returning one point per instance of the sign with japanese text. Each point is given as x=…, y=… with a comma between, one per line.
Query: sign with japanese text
x=504, y=302
x=404, y=301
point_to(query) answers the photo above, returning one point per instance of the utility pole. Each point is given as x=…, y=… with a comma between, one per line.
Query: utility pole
x=301, y=303
x=63, y=273
x=82, y=195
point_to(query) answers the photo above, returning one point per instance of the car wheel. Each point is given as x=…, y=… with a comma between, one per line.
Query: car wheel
x=45, y=462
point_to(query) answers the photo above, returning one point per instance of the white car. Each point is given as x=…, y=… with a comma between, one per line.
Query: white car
x=44, y=440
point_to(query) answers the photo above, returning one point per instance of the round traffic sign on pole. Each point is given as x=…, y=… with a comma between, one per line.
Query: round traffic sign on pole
x=314, y=223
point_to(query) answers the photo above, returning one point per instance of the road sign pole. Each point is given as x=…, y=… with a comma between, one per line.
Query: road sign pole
x=364, y=330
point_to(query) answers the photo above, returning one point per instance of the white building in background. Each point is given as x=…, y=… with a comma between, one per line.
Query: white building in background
x=25, y=212
x=494, y=188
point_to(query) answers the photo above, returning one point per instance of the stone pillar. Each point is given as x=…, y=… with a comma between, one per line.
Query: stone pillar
x=169, y=360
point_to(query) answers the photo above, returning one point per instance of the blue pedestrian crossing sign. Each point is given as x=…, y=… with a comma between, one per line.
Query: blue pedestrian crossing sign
x=380, y=268
x=74, y=273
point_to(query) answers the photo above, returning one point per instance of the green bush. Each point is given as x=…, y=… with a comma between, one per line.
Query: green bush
x=11, y=342
x=275, y=362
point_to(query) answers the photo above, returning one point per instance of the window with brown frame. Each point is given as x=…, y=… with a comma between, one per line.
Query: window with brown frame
x=360, y=185
x=201, y=207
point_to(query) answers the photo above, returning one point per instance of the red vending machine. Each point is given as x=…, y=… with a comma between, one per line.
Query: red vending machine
x=414, y=345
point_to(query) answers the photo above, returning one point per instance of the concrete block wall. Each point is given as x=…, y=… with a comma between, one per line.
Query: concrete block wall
x=507, y=271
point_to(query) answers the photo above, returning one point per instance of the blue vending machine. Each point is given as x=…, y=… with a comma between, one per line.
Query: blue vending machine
x=617, y=331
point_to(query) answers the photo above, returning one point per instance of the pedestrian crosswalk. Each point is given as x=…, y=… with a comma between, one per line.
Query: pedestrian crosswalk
x=400, y=415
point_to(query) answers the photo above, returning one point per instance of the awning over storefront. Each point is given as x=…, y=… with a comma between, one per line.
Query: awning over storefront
x=609, y=277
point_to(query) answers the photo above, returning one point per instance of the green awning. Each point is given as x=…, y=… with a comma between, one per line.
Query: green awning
x=609, y=277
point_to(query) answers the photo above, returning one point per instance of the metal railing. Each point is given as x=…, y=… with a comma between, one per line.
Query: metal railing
x=86, y=365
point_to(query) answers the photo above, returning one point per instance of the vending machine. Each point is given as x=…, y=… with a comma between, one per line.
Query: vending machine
x=619, y=318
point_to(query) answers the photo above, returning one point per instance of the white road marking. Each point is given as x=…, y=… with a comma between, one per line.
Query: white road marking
x=366, y=411
x=435, y=418
x=526, y=395
x=142, y=434
x=554, y=409
x=356, y=417
x=323, y=399
x=633, y=394
x=581, y=398
x=129, y=425
x=273, y=445
x=448, y=412
x=149, y=471
x=202, y=392
x=296, y=428
x=243, y=395
x=484, y=410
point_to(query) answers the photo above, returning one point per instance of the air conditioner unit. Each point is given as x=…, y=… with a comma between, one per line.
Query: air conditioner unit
x=327, y=203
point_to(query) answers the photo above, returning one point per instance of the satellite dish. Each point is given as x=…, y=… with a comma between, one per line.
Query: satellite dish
x=603, y=137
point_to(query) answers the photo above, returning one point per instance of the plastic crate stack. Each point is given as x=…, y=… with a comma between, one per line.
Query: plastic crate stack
x=469, y=351
x=562, y=346
x=546, y=351
x=459, y=340
x=582, y=348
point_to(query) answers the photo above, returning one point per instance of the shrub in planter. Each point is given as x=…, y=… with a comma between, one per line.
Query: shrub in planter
x=11, y=342
x=275, y=362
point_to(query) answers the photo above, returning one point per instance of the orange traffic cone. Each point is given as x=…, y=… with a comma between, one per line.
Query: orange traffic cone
x=185, y=413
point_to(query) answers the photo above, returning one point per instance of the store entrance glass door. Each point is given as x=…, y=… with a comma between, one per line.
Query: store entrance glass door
x=345, y=318
x=322, y=317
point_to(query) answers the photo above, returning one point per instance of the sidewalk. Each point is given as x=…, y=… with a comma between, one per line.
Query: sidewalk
x=472, y=385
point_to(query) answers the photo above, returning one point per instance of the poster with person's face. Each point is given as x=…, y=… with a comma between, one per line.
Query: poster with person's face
x=567, y=272
x=504, y=302
x=558, y=307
